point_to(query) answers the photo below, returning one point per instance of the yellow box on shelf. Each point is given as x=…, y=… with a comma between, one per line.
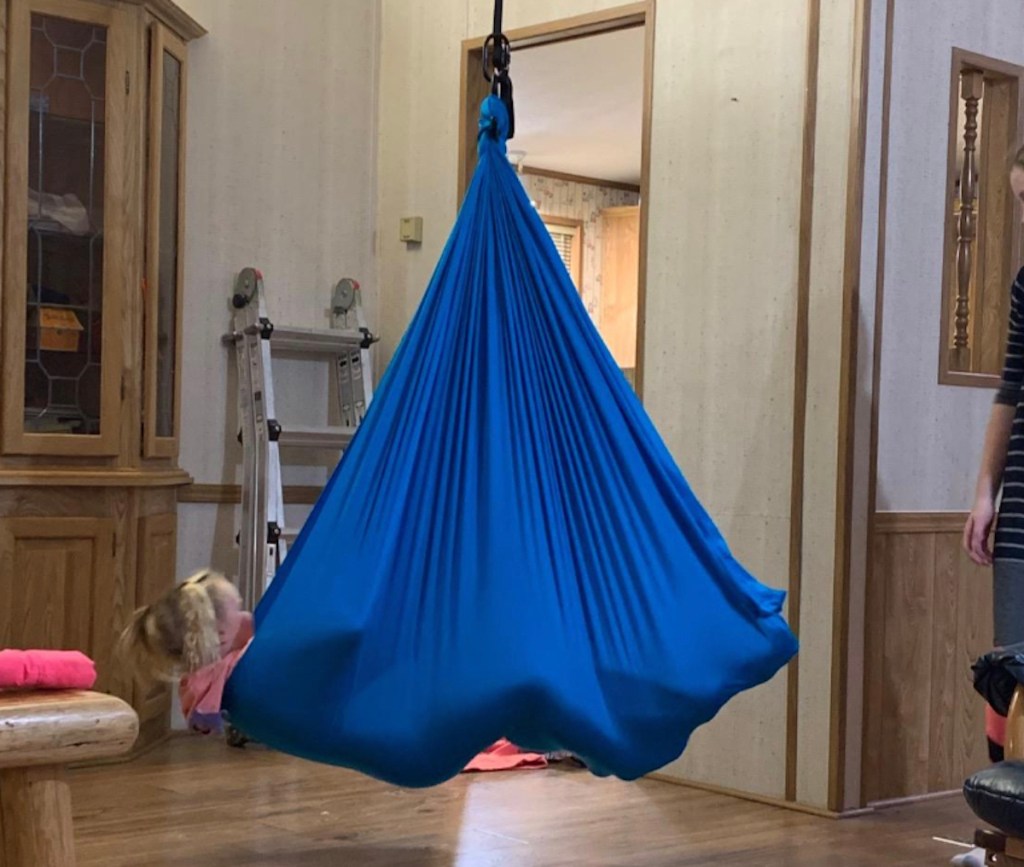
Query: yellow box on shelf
x=59, y=329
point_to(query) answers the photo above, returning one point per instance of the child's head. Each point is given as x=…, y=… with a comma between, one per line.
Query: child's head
x=187, y=628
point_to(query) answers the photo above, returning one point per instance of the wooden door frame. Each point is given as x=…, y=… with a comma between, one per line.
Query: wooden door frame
x=473, y=89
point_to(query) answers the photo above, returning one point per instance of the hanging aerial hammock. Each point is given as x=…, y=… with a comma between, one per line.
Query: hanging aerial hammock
x=507, y=548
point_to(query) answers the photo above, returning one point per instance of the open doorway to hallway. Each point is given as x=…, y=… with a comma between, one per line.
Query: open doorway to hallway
x=582, y=92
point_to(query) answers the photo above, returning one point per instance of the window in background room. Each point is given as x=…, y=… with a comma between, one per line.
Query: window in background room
x=568, y=237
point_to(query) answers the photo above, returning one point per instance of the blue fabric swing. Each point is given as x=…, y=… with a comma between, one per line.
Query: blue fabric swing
x=507, y=548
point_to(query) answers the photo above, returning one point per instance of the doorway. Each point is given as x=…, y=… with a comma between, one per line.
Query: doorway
x=582, y=143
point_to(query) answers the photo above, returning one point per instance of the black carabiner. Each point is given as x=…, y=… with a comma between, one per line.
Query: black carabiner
x=497, y=55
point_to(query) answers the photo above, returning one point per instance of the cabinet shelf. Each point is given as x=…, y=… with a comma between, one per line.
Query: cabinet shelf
x=63, y=305
x=51, y=229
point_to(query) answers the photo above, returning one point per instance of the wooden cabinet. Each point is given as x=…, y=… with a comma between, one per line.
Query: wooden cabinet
x=92, y=201
x=157, y=546
x=620, y=276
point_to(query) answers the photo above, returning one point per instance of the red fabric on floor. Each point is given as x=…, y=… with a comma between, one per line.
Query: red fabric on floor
x=505, y=756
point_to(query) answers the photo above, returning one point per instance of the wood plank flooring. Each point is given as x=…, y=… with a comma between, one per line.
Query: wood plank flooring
x=196, y=802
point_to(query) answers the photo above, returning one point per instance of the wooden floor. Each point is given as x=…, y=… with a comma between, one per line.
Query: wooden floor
x=198, y=803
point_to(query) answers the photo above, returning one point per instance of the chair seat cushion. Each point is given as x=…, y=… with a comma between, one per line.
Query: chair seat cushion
x=996, y=795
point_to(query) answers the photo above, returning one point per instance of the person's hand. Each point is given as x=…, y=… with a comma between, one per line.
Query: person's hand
x=978, y=529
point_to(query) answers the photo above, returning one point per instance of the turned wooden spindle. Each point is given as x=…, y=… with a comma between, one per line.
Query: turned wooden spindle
x=971, y=89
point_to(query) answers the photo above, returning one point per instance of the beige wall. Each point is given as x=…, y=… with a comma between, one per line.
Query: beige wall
x=281, y=176
x=722, y=271
x=930, y=436
x=723, y=248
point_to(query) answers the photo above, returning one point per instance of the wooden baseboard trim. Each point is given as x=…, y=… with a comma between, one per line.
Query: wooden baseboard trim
x=227, y=495
x=919, y=522
x=914, y=799
x=72, y=477
x=767, y=800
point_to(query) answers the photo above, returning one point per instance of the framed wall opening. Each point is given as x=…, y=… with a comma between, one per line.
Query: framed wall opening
x=623, y=305
x=982, y=236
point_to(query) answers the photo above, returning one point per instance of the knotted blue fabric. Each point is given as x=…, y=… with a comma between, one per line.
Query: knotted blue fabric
x=507, y=548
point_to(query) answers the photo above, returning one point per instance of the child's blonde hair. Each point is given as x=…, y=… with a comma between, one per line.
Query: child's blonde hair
x=177, y=633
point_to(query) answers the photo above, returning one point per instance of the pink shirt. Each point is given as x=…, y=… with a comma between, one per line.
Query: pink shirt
x=202, y=691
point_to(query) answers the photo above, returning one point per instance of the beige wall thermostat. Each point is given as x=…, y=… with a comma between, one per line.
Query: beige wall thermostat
x=411, y=230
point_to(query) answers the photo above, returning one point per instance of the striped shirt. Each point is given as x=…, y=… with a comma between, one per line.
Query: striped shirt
x=1010, y=529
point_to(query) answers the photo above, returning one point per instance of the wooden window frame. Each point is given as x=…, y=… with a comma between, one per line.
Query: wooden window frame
x=992, y=168
x=576, y=267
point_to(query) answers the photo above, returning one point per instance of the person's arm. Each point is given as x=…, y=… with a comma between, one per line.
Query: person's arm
x=993, y=461
x=997, y=434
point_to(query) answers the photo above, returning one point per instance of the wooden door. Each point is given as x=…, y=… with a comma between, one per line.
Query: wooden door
x=164, y=244
x=620, y=276
x=67, y=235
x=158, y=540
x=58, y=587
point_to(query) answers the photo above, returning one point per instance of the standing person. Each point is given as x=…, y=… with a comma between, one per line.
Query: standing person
x=1002, y=469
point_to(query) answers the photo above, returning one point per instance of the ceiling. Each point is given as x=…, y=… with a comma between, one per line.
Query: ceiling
x=579, y=105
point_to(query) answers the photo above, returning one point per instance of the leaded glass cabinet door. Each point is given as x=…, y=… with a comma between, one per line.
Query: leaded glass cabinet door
x=67, y=243
x=164, y=243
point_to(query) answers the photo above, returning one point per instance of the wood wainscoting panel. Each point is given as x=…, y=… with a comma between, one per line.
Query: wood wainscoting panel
x=929, y=613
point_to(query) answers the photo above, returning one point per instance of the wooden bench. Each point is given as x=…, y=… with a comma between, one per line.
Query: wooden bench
x=40, y=734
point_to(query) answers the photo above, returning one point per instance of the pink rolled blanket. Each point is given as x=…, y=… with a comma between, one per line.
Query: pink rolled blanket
x=46, y=669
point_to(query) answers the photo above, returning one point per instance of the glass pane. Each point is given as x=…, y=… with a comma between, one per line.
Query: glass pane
x=64, y=278
x=167, y=276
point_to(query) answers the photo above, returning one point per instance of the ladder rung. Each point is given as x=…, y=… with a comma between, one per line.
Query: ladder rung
x=290, y=535
x=316, y=437
x=312, y=341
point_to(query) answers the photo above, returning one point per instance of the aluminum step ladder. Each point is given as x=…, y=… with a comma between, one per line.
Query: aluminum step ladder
x=263, y=537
